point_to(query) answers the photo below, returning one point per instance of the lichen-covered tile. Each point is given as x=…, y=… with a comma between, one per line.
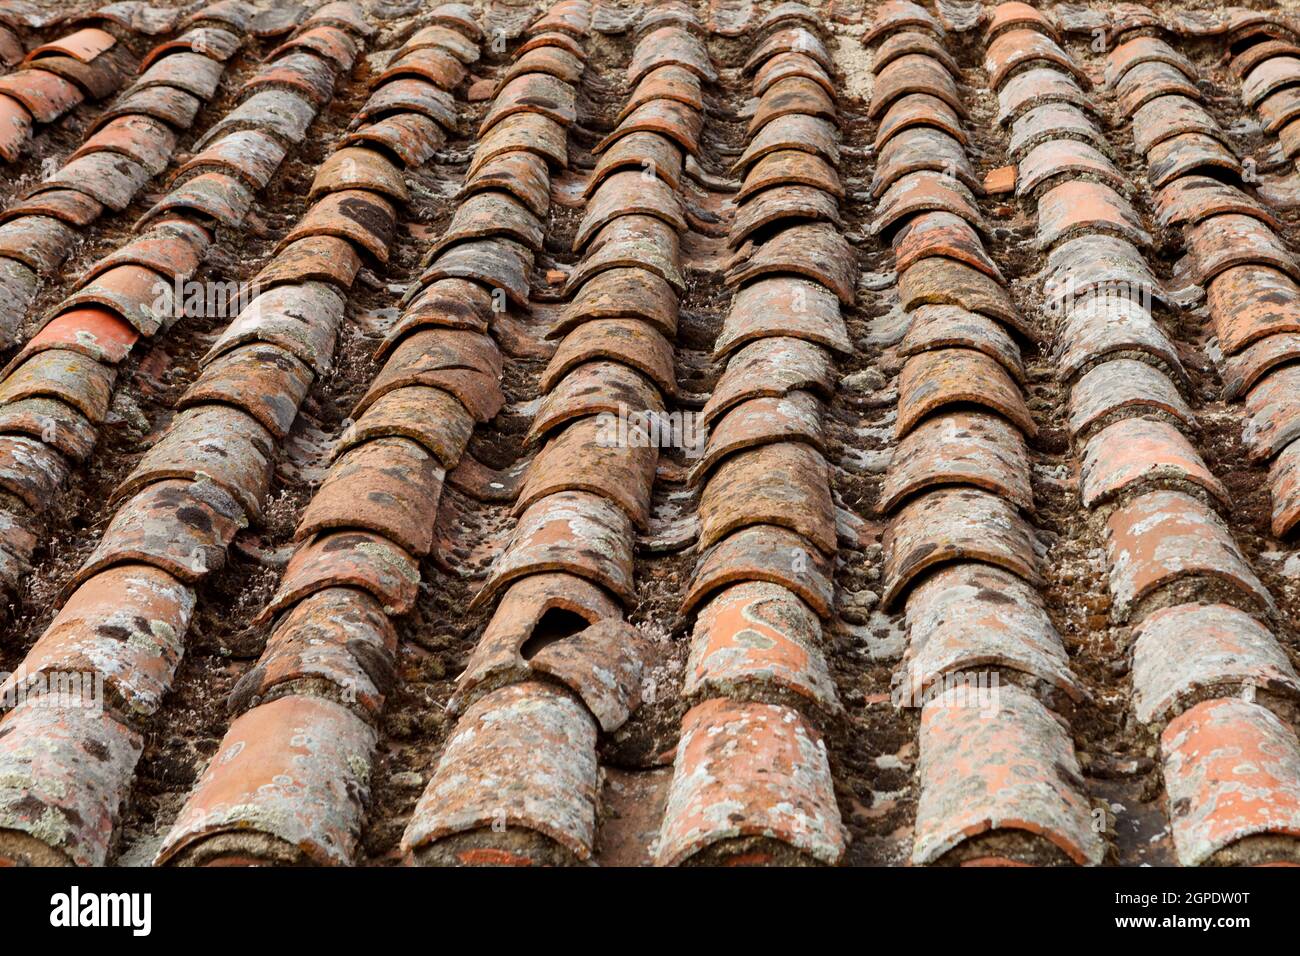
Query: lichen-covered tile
x=759, y=641
x=971, y=617
x=1232, y=771
x=751, y=780
x=948, y=525
x=288, y=785
x=64, y=772
x=1140, y=453
x=517, y=783
x=959, y=448
x=1164, y=537
x=998, y=761
x=1196, y=650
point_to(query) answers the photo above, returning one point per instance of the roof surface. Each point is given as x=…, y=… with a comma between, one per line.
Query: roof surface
x=649, y=433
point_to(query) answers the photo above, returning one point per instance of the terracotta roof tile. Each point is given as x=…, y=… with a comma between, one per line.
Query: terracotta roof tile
x=521, y=758
x=290, y=771
x=1027, y=773
x=1231, y=770
x=1164, y=536
x=750, y=770
x=65, y=769
x=969, y=617
x=1194, y=649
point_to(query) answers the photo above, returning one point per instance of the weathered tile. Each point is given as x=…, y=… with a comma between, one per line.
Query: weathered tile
x=65, y=771
x=530, y=93
x=914, y=74
x=340, y=636
x=1146, y=81
x=520, y=174
x=1036, y=87
x=669, y=118
x=970, y=617
x=329, y=43
x=943, y=281
x=39, y=242
x=594, y=388
x=263, y=379
x=1187, y=153
x=46, y=96
x=1073, y=208
x=523, y=756
x=1017, y=47
x=1199, y=649
x=933, y=380
x=770, y=367
x=295, y=772
x=670, y=45
x=109, y=178
x=789, y=167
x=1066, y=157
x=1188, y=200
x=222, y=197
x=356, y=559
x=1231, y=770
x=1144, y=49
x=924, y=191
x=181, y=527
x=249, y=155
x=302, y=73
x=411, y=137
x=387, y=485
x=950, y=525
x=1123, y=384
x=302, y=319
x=194, y=73
x=358, y=215
x=1052, y=121
x=941, y=233
x=1164, y=536
x=750, y=770
x=757, y=640
x=1007, y=765
x=937, y=327
x=785, y=484
x=69, y=376
x=614, y=293
x=959, y=448
x=282, y=113
x=125, y=625
x=1140, y=452
x=174, y=107
x=1105, y=325
x=213, y=442
x=817, y=251
x=31, y=471
x=573, y=531
x=919, y=111
x=463, y=363
x=895, y=15
x=763, y=553
x=911, y=41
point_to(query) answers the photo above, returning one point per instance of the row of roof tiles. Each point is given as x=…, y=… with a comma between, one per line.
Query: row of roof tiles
x=958, y=492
